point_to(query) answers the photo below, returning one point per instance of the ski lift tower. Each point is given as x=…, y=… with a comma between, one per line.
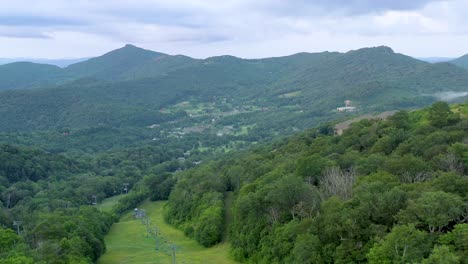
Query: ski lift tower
x=17, y=224
x=125, y=187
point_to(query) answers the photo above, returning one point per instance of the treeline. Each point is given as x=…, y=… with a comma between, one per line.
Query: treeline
x=65, y=235
x=52, y=196
x=391, y=191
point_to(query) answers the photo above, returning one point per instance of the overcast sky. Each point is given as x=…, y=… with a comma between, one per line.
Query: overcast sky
x=244, y=28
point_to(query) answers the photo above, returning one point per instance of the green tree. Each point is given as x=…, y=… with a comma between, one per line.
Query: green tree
x=441, y=255
x=306, y=250
x=400, y=120
x=457, y=239
x=209, y=226
x=311, y=167
x=404, y=244
x=440, y=114
x=8, y=239
x=433, y=210
x=17, y=259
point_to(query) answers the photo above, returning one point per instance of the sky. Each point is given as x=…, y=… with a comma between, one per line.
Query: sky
x=245, y=28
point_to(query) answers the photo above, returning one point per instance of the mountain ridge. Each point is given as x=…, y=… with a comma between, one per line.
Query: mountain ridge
x=375, y=79
x=461, y=61
x=132, y=62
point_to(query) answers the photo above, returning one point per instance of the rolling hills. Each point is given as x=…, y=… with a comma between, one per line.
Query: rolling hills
x=156, y=126
x=461, y=62
x=133, y=87
x=361, y=197
x=27, y=74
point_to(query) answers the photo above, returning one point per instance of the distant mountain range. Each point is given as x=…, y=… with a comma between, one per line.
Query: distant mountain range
x=461, y=62
x=126, y=63
x=129, y=86
x=57, y=62
x=435, y=59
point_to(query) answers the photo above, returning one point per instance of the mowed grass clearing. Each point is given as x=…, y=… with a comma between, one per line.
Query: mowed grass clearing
x=107, y=204
x=127, y=242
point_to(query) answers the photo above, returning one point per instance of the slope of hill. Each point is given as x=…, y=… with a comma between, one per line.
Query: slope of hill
x=461, y=62
x=124, y=243
x=27, y=74
x=362, y=197
x=129, y=62
x=56, y=62
x=435, y=59
x=133, y=87
x=126, y=63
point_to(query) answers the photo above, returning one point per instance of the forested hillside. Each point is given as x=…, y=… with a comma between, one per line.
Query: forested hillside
x=171, y=127
x=129, y=89
x=52, y=196
x=461, y=62
x=391, y=191
x=311, y=198
x=27, y=74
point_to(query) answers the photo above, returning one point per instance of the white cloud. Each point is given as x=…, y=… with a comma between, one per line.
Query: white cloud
x=246, y=28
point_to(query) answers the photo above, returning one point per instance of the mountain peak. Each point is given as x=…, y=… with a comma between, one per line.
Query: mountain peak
x=384, y=49
x=130, y=46
x=378, y=49
x=461, y=62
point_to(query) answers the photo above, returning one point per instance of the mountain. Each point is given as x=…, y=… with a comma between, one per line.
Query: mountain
x=375, y=79
x=126, y=63
x=134, y=88
x=156, y=125
x=461, y=62
x=320, y=198
x=129, y=62
x=57, y=62
x=435, y=59
x=27, y=74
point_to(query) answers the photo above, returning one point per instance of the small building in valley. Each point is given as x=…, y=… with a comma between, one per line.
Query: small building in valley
x=347, y=108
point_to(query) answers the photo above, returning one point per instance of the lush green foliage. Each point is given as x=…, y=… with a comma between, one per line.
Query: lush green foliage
x=51, y=194
x=140, y=117
x=128, y=89
x=127, y=243
x=27, y=74
x=391, y=191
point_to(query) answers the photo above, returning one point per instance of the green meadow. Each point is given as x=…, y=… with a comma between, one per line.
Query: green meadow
x=107, y=204
x=127, y=241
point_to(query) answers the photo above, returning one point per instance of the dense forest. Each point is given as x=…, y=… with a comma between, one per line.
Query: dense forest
x=53, y=197
x=385, y=191
x=130, y=89
x=194, y=132
x=392, y=191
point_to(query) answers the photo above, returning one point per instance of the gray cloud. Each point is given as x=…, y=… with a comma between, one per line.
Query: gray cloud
x=335, y=7
x=156, y=15
x=28, y=35
x=202, y=39
x=22, y=32
x=365, y=6
x=212, y=27
x=38, y=21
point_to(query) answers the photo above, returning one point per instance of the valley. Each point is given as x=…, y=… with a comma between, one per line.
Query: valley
x=127, y=242
x=310, y=158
